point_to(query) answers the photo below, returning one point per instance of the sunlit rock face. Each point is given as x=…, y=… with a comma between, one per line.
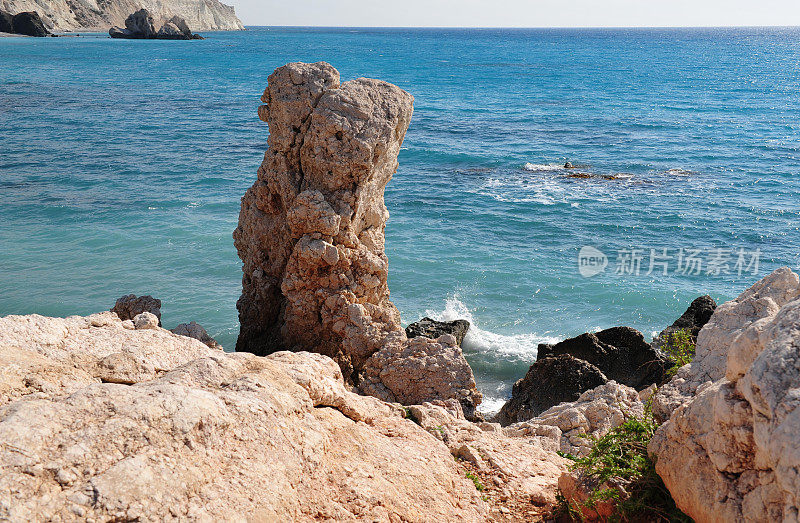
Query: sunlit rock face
x=311, y=238
x=730, y=449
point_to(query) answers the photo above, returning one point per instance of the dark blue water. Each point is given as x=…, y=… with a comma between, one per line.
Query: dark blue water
x=122, y=164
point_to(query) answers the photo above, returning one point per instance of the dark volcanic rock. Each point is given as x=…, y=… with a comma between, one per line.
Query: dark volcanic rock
x=28, y=23
x=128, y=307
x=620, y=352
x=695, y=317
x=549, y=381
x=433, y=329
x=141, y=25
x=6, y=22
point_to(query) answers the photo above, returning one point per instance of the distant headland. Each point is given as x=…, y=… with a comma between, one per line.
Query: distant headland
x=61, y=15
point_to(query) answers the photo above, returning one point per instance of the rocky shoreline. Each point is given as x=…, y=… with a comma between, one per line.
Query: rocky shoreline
x=330, y=410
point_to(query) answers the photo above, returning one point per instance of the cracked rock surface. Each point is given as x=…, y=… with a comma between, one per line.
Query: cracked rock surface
x=99, y=421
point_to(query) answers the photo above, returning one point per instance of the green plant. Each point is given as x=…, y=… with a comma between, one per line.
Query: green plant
x=680, y=346
x=620, y=458
x=476, y=481
x=410, y=415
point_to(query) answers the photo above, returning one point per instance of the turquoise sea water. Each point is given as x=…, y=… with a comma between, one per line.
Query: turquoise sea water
x=122, y=164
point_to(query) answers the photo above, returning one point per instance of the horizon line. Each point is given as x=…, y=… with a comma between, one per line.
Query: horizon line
x=526, y=27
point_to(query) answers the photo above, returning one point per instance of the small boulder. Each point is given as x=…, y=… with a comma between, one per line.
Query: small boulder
x=549, y=381
x=30, y=24
x=130, y=306
x=432, y=329
x=620, y=352
x=145, y=320
x=196, y=331
x=569, y=165
x=695, y=317
x=124, y=368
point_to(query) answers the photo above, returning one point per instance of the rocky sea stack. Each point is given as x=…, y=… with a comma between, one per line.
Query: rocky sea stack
x=141, y=25
x=311, y=239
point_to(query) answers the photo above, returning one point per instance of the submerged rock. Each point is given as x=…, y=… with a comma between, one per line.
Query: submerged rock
x=430, y=328
x=311, y=237
x=130, y=306
x=691, y=321
x=548, y=382
x=142, y=25
x=729, y=450
x=620, y=352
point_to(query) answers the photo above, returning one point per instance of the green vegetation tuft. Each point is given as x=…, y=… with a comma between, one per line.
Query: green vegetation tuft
x=680, y=346
x=476, y=481
x=620, y=457
x=410, y=415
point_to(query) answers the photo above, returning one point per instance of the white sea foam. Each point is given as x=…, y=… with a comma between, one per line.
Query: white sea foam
x=515, y=346
x=542, y=166
x=491, y=405
x=484, y=341
x=678, y=172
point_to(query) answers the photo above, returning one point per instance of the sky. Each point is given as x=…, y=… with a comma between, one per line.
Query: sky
x=518, y=13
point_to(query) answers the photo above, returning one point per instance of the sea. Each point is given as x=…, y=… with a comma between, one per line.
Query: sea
x=122, y=164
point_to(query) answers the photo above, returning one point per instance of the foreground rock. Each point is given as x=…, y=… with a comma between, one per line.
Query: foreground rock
x=68, y=15
x=142, y=25
x=311, y=239
x=763, y=300
x=27, y=23
x=518, y=464
x=549, y=381
x=620, y=352
x=592, y=415
x=430, y=328
x=99, y=421
x=691, y=321
x=730, y=450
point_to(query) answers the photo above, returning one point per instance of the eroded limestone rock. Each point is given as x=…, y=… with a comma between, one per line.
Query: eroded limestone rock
x=524, y=467
x=311, y=237
x=593, y=414
x=730, y=450
x=99, y=422
x=752, y=308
